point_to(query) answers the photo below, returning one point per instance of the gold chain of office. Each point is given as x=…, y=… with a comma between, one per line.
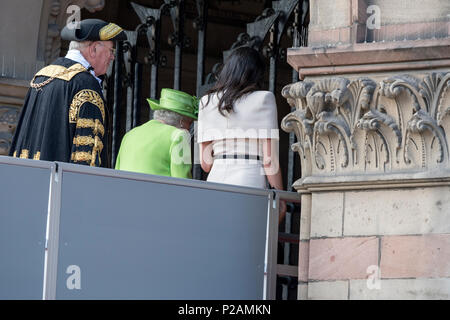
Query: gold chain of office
x=62, y=73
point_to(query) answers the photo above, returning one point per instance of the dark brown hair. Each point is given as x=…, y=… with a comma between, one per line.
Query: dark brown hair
x=242, y=73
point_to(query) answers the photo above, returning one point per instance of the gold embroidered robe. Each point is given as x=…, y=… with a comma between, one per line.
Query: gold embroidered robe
x=63, y=117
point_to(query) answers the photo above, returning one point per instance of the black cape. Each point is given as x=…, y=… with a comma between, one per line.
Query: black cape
x=63, y=117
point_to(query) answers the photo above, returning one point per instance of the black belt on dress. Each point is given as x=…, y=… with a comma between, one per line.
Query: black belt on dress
x=238, y=156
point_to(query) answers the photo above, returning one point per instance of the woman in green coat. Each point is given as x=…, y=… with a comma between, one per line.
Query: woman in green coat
x=162, y=146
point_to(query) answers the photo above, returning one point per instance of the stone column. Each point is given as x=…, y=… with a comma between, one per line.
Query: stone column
x=29, y=40
x=372, y=120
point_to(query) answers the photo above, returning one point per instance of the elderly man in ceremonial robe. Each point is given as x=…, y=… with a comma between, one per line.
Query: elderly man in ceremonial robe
x=64, y=117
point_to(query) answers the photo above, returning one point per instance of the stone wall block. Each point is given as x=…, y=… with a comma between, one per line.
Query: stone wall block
x=426, y=256
x=305, y=217
x=402, y=289
x=303, y=261
x=328, y=290
x=342, y=258
x=326, y=214
x=397, y=212
x=302, y=291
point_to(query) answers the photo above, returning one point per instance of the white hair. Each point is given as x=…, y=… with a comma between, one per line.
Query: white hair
x=169, y=117
x=78, y=45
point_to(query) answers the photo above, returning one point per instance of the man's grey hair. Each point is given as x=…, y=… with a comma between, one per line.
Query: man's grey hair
x=78, y=45
x=169, y=117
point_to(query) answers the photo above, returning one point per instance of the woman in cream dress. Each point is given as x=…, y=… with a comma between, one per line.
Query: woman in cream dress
x=238, y=126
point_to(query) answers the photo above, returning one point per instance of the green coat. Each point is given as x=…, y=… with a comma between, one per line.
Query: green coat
x=156, y=148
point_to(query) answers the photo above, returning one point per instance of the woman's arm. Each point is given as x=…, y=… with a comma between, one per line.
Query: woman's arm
x=271, y=164
x=206, y=156
x=272, y=169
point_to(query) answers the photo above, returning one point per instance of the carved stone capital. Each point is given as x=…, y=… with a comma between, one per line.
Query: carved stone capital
x=346, y=127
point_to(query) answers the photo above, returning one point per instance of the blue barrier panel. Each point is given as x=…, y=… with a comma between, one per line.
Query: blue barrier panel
x=23, y=219
x=133, y=236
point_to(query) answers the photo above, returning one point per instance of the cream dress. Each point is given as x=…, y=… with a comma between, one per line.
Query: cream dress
x=254, y=118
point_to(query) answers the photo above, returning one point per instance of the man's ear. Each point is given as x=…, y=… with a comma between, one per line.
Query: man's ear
x=92, y=50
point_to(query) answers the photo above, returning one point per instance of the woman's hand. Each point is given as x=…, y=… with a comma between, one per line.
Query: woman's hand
x=281, y=211
x=206, y=156
x=273, y=172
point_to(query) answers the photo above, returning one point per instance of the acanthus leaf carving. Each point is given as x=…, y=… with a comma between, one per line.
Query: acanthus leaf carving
x=428, y=89
x=330, y=123
x=420, y=123
x=441, y=99
x=394, y=86
x=296, y=94
x=394, y=125
x=361, y=97
x=300, y=121
x=374, y=121
x=327, y=95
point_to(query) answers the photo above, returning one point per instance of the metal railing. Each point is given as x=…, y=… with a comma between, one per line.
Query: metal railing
x=287, y=271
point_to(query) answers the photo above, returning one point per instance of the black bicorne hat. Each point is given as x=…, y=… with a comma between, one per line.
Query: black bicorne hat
x=93, y=30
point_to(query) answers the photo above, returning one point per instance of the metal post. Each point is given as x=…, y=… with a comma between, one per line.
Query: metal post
x=285, y=9
x=273, y=74
x=154, y=82
x=273, y=58
x=271, y=247
x=130, y=60
x=152, y=19
x=129, y=114
x=155, y=54
x=177, y=14
x=52, y=235
x=117, y=101
x=295, y=43
x=137, y=94
x=200, y=24
x=177, y=68
x=298, y=39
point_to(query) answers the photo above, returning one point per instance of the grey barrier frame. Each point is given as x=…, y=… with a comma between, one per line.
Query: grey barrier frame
x=54, y=205
x=51, y=166
x=52, y=236
x=50, y=285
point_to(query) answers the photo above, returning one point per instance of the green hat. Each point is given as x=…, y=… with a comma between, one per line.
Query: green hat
x=176, y=101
